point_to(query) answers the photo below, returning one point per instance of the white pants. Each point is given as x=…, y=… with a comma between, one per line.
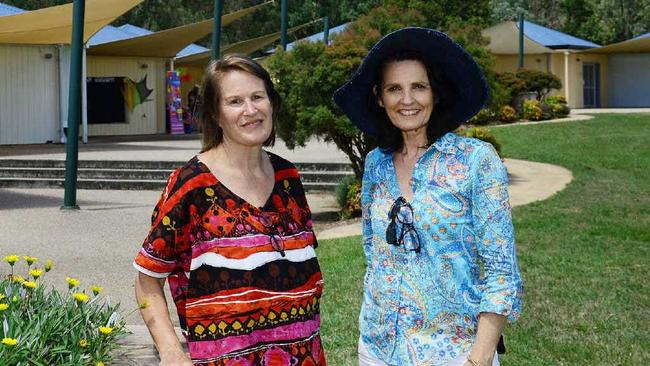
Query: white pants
x=366, y=359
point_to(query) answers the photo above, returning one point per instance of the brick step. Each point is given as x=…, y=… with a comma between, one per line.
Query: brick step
x=142, y=174
x=136, y=164
x=121, y=184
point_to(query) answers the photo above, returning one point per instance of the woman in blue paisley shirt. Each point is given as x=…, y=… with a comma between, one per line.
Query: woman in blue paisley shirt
x=442, y=276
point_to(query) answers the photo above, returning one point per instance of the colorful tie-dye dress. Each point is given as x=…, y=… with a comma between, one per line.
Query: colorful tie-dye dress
x=245, y=279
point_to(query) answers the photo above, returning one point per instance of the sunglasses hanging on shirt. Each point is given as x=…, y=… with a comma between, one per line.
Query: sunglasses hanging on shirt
x=401, y=228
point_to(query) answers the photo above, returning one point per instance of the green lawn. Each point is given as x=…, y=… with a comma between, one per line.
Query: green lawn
x=584, y=253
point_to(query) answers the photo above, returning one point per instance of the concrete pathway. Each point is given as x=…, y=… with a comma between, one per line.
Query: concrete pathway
x=609, y=110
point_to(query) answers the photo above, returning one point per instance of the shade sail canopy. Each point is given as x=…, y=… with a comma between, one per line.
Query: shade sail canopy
x=167, y=43
x=244, y=47
x=53, y=25
x=634, y=45
x=504, y=40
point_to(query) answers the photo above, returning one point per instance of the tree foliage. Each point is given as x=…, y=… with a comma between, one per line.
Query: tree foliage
x=308, y=75
x=599, y=21
x=525, y=80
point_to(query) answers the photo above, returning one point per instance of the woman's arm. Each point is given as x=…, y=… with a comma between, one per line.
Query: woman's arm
x=495, y=244
x=156, y=316
x=490, y=326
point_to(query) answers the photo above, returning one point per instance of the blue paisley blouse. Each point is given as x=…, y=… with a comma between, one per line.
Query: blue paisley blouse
x=423, y=308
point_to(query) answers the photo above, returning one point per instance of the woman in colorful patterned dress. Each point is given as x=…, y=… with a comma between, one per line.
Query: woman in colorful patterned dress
x=232, y=233
x=442, y=276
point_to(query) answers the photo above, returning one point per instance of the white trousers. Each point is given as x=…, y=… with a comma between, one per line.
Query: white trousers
x=366, y=359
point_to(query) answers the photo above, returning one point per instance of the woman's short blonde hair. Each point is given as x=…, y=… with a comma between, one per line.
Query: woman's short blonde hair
x=212, y=133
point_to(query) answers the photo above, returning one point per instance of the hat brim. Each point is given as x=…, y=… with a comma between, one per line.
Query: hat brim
x=439, y=51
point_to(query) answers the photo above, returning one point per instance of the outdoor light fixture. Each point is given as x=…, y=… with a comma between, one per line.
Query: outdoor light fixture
x=144, y=66
x=48, y=56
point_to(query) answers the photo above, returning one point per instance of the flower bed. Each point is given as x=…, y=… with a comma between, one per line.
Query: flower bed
x=43, y=326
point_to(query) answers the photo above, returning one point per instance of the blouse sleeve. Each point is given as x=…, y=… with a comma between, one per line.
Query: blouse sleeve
x=159, y=255
x=366, y=203
x=491, y=214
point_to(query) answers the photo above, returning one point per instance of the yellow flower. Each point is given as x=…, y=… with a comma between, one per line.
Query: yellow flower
x=9, y=341
x=72, y=282
x=2, y=296
x=30, y=260
x=80, y=297
x=145, y=304
x=36, y=273
x=105, y=330
x=30, y=284
x=17, y=279
x=4, y=307
x=12, y=259
x=100, y=363
x=166, y=220
x=96, y=289
x=209, y=192
x=48, y=265
x=83, y=343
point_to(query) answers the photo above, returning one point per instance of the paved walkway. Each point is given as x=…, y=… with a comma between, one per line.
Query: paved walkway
x=163, y=148
x=97, y=243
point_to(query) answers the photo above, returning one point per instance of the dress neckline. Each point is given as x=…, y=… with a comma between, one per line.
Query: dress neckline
x=242, y=201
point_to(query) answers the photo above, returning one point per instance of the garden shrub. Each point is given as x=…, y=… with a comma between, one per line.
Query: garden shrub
x=512, y=84
x=532, y=110
x=482, y=134
x=532, y=81
x=539, y=82
x=483, y=117
x=348, y=196
x=342, y=191
x=547, y=111
x=560, y=110
x=556, y=99
x=507, y=114
x=558, y=104
x=46, y=327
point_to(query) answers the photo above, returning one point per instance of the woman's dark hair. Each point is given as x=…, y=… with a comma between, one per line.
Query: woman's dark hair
x=212, y=133
x=389, y=137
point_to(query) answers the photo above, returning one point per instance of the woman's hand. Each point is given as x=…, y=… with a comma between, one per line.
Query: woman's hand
x=174, y=357
x=156, y=316
x=490, y=327
x=476, y=363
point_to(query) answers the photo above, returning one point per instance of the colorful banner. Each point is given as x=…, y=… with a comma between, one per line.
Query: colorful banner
x=174, y=100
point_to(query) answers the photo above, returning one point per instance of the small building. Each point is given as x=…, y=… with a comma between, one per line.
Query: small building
x=616, y=75
x=35, y=63
x=551, y=51
x=628, y=71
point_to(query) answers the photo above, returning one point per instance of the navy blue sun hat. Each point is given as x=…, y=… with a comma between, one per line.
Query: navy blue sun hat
x=439, y=51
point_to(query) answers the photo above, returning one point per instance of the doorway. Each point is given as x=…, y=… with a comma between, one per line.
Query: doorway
x=591, y=85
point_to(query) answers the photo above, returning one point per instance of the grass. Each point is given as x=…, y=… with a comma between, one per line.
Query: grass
x=584, y=253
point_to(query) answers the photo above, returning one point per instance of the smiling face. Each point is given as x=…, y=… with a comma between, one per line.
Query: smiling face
x=245, y=110
x=406, y=94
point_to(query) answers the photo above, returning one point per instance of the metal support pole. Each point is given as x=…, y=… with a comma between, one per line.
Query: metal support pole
x=283, y=25
x=216, y=32
x=326, y=30
x=74, y=106
x=521, y=40
x=84, y=99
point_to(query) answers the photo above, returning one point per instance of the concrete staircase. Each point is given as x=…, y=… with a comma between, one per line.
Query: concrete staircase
x=137, y=175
